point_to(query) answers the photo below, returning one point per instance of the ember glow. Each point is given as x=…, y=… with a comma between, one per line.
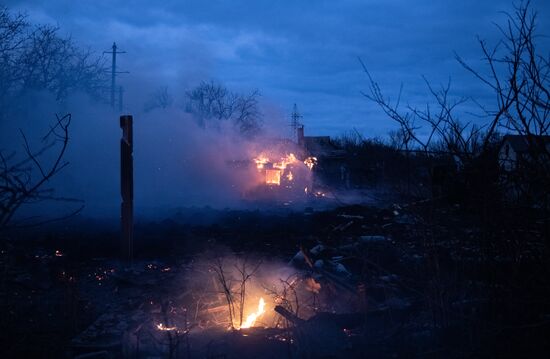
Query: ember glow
x=310, y=162
x=161, y=327
x=289, y=176
x=251, y=319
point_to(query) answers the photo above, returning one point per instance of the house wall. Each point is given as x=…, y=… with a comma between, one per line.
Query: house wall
x=507, y=157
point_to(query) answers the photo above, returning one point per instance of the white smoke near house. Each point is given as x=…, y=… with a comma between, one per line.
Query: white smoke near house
x=176, y=162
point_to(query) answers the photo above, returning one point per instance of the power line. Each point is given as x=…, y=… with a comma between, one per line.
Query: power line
x=114, y=72
x=295, y=118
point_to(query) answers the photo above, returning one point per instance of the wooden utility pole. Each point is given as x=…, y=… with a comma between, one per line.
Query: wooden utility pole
x=114, y=72
x=127, y=186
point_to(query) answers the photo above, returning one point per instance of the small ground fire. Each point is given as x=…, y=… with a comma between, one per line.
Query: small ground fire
x=252, y=317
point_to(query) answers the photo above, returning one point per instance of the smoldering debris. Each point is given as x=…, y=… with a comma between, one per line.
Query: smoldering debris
x=193, y=307
x=174, y=302
x=203, y=306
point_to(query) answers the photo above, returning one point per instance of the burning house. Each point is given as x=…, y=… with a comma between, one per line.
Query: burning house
x=283, y=170
x=294, y=170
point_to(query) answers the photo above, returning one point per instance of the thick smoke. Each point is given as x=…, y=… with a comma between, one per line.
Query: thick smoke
x=176, y=162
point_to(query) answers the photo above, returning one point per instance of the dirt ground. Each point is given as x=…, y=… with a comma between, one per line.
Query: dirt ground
x=424, y=281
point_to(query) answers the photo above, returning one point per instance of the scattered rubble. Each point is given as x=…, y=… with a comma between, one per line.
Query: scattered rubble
x=361, y=275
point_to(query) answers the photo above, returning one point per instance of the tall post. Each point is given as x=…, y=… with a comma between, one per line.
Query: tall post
x=295, y=122
x=114, y=72
x=113, y=76
x=127, y=186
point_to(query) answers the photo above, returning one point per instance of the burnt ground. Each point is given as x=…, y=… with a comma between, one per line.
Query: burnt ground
x=425, y=280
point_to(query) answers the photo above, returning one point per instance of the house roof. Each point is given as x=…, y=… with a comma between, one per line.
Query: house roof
x=320, y=146
x=520, y=143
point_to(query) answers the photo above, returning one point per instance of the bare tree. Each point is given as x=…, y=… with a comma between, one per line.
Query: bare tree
x=12, y=38
x=226, y=282
x=37, y=57
x=518, y=75
x=397, y=139
x=246, y=272
x=233, y=283
x=211, y=103
x=10, y=29
x=160, y=98
x=55, y=63
x=246, y=113
x=442, y=124
x=287, y=295
x=22, y=181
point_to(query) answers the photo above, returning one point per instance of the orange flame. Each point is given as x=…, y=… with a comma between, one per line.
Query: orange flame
x=273, y=177
x=285, y=161
x=261, y=160
x=251, y=319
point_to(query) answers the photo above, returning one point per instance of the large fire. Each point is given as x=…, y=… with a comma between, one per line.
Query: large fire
x=277, y=169
x=285, y=161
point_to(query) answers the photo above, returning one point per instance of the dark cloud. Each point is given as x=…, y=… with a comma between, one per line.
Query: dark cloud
x=293, y=51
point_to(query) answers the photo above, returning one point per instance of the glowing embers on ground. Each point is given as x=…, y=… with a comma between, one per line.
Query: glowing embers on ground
x=252, y=317
x=163, y=328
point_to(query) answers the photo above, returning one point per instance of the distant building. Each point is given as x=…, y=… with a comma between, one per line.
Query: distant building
x=525, y=164
x=517, y=151
x=330, y=159
x=317, y=146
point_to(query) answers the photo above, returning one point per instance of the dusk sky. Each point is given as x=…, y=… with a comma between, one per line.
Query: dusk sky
x=303, y=52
